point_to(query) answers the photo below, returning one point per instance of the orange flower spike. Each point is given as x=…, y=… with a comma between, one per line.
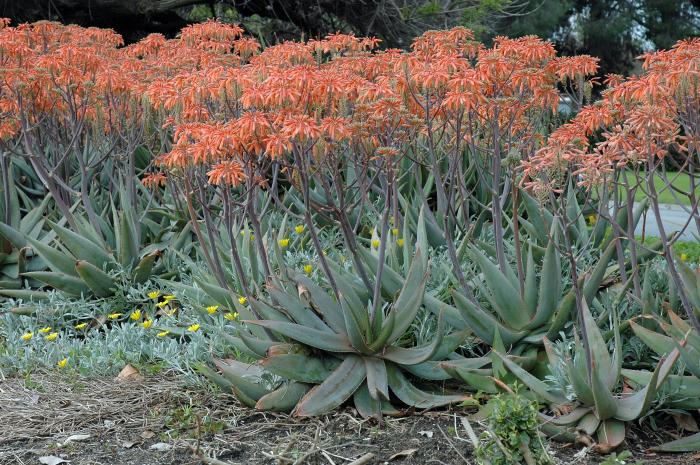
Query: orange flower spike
x=302, y=127
x=336, y=128
x=154, y=180
x=226, y=173
x=277, y=144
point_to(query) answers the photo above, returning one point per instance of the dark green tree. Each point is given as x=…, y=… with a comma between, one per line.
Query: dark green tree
x=616, y=31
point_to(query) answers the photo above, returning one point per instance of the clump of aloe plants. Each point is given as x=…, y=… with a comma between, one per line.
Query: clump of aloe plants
x=323, y=349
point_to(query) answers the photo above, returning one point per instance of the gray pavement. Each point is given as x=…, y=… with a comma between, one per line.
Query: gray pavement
x=674, y=218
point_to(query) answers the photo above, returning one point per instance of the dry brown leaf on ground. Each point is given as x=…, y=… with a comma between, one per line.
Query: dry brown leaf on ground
x=685, y=421
x=75, y=438
x=129, y=373
x=403, y=454
x=52, y=460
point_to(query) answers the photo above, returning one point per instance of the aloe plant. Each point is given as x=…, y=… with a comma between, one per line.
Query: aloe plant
x=21, y=212
x=83, y=262
x=16, y=257
x=667, y=336
x=327, y=349
x=542, y=308
x=598, y=409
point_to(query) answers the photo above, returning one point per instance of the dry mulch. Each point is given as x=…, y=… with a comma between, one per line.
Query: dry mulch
x=158, y=421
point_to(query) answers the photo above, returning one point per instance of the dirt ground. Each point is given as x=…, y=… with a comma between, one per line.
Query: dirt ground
x=156, y=421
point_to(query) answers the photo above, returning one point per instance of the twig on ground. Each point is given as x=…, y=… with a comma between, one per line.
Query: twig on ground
x=363, y=460
x=327, y=457
x=315, y=448
x=208, y=460
x=451, y=444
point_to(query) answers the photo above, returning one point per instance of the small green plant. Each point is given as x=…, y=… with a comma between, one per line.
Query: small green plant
x=191, y=421
x=512, y=433
x=620, y=459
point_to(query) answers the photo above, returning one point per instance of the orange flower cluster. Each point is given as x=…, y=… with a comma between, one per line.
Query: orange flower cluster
x=637, y=121
x=314, y=97
x=229, y=104
x=59, y=71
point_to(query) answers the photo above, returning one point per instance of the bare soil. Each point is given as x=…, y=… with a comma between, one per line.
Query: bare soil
x=158, y=421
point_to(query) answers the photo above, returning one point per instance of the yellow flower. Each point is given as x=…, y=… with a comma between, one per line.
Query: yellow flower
x=395, y=231
x=114, y=316
x=81, y=326
x=231, y=316
x=154, y=295
x=591, y=219
x=252, y=237
x=684, y=257
x=242, y=300
x=299, y=228
x=212, y=309
x=147, y=324
x=51, y=337
x=163, y=333
x=283, y=242
x=62, y=363
x=162, y=304
x=308, y=268
x=399, y=242
x=45, y=330
x=135, y=315
x=27, y=336
x=168, y=298
x=375, y=243
x=194, y=328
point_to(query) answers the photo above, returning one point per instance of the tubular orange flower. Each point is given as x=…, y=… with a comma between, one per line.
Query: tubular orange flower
x=277, y=144
x=226, y=172
x=154, y=180
x=301, y=126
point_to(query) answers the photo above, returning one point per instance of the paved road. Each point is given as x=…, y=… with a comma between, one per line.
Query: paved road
x=674, y=218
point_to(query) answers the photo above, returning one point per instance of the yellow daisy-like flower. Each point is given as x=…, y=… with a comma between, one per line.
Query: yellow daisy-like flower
x=194, y=327
x=308, y=269
x=62, y=363
x=114, y=316
x=242, y=300
x=375, y=243
x=299, y=228
x=45, y=330
x=147, y=324
x=168, y=298
x=395, y=231
x=135, y=315
x=684, y=257
x=231, y=316
x=163, y=333
x=591, y=219
x=27, y=336
x=80, y=326
x=162, y=304
x=399, y=242
x=154, y=295
x=51, y=337
x=283, y=243
x=212, y=309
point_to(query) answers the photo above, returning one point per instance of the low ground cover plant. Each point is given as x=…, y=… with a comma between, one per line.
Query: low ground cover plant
x=316, y=222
